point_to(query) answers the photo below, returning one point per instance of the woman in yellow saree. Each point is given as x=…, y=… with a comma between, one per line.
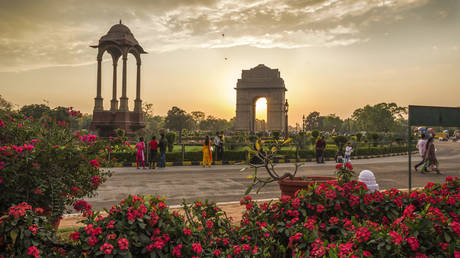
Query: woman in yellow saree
x=207, y=153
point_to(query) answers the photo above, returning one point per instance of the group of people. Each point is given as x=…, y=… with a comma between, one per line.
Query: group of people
x=340, y=157
x=428, y=152
x=208, y=148
x=154, y=146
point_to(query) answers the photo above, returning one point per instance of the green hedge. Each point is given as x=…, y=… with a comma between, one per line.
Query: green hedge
x=239, y=155
x=229, y=155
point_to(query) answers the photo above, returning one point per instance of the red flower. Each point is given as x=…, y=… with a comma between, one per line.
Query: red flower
x=92, y=240
x=81, y=205
x=362, y=234
x=74, y=236
x=33, y=251
x=396, y=237
x=366, y=253
x=209, y=224
x=176, y=251
x=196, y=247
x=349, y=166
x=187, y=232
x=320, y=208
x=338, y=166
x=94, y=163
x=413, y=242
x=123, y=243
x=107, y=248
x=33, y=229
x=455, y=227
x=236, y=249
x=217, y=252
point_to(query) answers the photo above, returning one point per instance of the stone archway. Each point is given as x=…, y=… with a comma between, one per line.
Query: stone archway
x=260, y=81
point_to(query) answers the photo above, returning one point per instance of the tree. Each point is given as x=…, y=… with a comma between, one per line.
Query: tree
x=177, y=119
x=198, y=116
x=35, y=110
x=382, y=117
x=153, y=123
x=330, y=123
x=312, y=121
x=5, y=104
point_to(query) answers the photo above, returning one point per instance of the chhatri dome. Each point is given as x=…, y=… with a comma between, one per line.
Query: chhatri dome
x=120, y=35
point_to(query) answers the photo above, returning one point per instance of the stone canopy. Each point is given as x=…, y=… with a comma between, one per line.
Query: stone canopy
x=120, y=35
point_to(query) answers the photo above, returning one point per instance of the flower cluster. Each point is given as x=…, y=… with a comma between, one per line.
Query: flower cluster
x=48, y=166
x=340, y=219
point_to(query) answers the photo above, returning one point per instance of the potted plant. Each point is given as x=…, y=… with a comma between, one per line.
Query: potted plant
x=289, y=183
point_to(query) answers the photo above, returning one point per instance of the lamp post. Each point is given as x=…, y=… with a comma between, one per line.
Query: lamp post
x=303, y=123
x=286, y=109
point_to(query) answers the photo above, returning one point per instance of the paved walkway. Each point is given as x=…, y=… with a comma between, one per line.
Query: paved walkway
x=226, y=183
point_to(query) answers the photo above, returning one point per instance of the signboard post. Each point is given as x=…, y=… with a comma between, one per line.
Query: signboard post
x=429, y=116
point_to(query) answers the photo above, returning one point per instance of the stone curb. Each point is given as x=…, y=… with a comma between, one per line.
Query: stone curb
x=243, y=162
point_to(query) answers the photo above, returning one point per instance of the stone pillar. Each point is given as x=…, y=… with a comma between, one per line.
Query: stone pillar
x=98, y=101
x=114, y=101
x=138, y=101
x=124, y=99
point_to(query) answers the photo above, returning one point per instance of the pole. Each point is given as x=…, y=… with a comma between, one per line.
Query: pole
x=183, y=152
x=409, y=153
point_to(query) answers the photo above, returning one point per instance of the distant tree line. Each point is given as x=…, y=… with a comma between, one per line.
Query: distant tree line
x=382, y=117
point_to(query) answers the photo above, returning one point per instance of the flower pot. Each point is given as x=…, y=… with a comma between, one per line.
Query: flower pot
x=47, y=213
x=290, y=186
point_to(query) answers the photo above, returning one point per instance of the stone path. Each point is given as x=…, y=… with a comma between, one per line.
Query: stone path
x=226, y=183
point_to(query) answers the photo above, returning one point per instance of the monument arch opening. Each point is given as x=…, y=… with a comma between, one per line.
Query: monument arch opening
x=256, y=83
x=261, y=114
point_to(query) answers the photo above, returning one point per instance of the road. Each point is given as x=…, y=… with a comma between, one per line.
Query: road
x=226, y=183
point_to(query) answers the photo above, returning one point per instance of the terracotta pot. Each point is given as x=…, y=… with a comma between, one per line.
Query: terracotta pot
x=47, y=213
x=290, y=186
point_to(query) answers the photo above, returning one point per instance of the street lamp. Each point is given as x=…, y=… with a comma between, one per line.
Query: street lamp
x=286, y=109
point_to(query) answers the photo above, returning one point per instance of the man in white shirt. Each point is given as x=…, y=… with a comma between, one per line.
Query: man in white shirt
x=421, y=146
x=348, y=151
x=217, y=143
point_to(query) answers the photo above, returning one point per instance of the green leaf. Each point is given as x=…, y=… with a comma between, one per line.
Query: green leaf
x=248, y=190
x=13, y=235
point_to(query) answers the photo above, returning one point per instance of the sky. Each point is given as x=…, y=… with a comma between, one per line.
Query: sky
x=334, y=56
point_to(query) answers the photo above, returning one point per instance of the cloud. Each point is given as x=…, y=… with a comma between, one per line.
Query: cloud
x=58, y=32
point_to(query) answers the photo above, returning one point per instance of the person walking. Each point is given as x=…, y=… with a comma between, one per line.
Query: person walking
x=163, y=144
x=430, y=157
x=221, y=146
x=217, y=144
x=153, y=146
x=207, y=153
x=421, y=146
x=140, y=157
x=320, y=146
x=348, y=151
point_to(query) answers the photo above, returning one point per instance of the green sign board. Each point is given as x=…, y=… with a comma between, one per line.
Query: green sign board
x=434, y=116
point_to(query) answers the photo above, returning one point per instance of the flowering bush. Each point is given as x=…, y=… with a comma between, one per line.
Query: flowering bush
x=344, y=172
x=44, y=163
x=25, y=232
x=326, y=220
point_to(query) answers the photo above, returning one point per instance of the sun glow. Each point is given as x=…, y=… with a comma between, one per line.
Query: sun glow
x=261, y=109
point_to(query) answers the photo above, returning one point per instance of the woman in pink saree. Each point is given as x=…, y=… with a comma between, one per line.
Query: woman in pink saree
x=140, y=157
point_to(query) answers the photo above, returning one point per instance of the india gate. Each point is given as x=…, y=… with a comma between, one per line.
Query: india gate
x=258, y=82
x=118, y=42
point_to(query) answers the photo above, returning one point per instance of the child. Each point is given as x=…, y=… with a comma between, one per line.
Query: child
x=140, y=146
x=348, y=151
